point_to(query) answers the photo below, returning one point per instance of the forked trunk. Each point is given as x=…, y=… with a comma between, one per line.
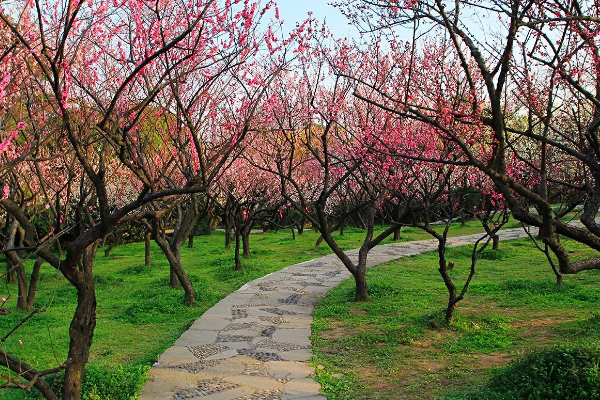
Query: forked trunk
x=451, y=307
x=177, y=273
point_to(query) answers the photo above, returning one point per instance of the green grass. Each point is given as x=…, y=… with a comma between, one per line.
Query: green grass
x=397, y=345
x=139, y=315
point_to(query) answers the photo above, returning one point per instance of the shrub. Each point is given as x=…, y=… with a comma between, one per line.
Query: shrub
x=104, y=383
x=555, y=373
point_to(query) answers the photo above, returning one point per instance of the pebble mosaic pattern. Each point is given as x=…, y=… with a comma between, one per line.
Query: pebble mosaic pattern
x=207, y=350
x=268, y=332
x=273, y=320
x=205, y=388
x=234, y=338
x=239, y=313
x=260, y=355
x=278, y=311
x=263, y=395
x=251, y=305
x=257, y=368
x=242, y=325
x=197, y=366
x=293, y=299
x=281, y=346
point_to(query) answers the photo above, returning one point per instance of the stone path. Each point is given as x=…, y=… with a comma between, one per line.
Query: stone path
x=255, y=343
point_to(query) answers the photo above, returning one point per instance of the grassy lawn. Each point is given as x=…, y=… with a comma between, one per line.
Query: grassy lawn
x=397, y=346
x=139, y=315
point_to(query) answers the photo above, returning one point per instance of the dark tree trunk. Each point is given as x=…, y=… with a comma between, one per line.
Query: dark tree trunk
x=81, y=330
x=177, y=273
x=293, y=234
x=363, y=225
x=449, y=317
x=147, y=243
x=26, y=295
x=342, y=226
x=35, y=275
x=360, y=277
x=228, y=231
x=301, y=225
x=191, y=241
x=173, y=279
x=21, y=285
x=81, y=333
x=319, y=241
x=452, y=293
x=112, y=244
x=397, y=235
x=495, y=241
x=238, y=261
x=11, y=275
x=11, y=266
x=246, y=244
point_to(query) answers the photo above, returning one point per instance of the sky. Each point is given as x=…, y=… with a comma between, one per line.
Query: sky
x=293, y=11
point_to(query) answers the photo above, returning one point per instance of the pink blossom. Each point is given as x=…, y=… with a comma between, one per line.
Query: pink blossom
x=21, y=125
x=47, y=206
x=20, y=342
x=90, y=208
x=4, y=300
x=6, y=192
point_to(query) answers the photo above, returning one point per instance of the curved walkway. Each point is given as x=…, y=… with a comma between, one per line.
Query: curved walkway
x=255, y=343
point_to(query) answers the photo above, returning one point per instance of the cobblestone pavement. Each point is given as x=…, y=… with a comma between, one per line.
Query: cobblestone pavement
x=255, y=343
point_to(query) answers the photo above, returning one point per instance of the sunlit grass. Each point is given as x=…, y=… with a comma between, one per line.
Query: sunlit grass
x=397, y=346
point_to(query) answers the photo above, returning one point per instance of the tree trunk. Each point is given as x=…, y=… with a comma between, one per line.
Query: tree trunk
x=301, y=225
x=397, y=234
x=81, y=333
x=360, y=277
x=25, y=294
x=451, y=308
x=11, y=275
x=11, y=266
x=293, y=234
x=246, y=244
x=191, y=241
x=81, y=330
x=360, y=280
x=33, y=280
x=319, y=241
x=495, y=241
x=452, y=293
x=173, y=280
x=238, y=261
x=227, y=236
x=342, y=226
x=177, y=273
x=147, y=243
